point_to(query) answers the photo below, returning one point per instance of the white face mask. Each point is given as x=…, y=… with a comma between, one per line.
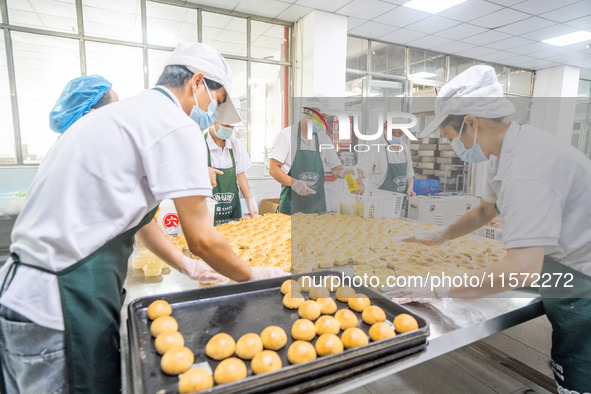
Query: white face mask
x=472, y=155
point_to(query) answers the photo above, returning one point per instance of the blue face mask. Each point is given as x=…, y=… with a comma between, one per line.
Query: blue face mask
x=223, y=132
x=472, y=155
x=395, y=140
x=204, y=119
x=315, y=127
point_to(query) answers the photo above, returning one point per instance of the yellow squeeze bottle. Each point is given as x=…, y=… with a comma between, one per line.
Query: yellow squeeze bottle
x=351, y=182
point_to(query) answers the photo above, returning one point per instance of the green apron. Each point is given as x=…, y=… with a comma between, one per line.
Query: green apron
x=92, y=295
x=395, y=177
x=226, y=193
x=569, y=312
x=307, y=166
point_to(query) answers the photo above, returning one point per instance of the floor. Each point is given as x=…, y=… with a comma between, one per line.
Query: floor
x=461, y=372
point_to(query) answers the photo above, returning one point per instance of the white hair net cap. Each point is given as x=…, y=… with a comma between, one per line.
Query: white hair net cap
x=476, y=92
x=205, y=59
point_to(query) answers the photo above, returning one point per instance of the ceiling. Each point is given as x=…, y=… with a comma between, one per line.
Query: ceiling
x=508, y=32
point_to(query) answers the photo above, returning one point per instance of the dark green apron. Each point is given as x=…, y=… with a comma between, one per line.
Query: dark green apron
x=569, y=312
x=92, y=295
x=226, y=192
x=307, y=166
x=395, y=177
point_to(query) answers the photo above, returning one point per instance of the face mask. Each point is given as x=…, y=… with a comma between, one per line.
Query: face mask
x=223, y=132
x=204, y=119
x=395, y=140
x=472, y=155
x=315, y=128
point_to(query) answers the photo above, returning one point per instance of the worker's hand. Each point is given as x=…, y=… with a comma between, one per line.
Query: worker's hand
x=213, y=173
x=302, y=188
x=361, y=189
x=200, y=271
x=347, y=170
x=259, y=273
x=428, y=238
x=251, y=204
x=410, y=193
x=423, y=292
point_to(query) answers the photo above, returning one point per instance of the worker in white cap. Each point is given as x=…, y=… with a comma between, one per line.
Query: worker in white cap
x=62, y=288
x=541, y=187
x=228, y=160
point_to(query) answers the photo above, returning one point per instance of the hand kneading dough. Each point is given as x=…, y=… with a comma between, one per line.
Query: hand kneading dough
x=162, y=324
x=373, y=314
x=248, y=346
x=354, y=337
x=359, y=302
x=327, y=325
x=346, y=318
x=301, y=352
x=327, y=306
x=167, y=340
x=328, y=344
x=290, y=286
x=273, y=338
x=265, y=361
x=159, y=308
x=195, y=379
x=220, y=346
x=293, y=300
x=303, y=329
x=309, y=310
x=229, y=370
x=177, y=360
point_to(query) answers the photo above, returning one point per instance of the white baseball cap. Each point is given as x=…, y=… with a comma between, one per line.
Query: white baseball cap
x=205, y=59
x=476, y=91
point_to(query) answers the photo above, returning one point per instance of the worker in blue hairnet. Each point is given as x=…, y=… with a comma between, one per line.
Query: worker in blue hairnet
x=80, y=96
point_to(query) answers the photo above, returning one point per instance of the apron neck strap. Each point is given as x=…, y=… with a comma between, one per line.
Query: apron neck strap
x=164, y=92
x=300, y=137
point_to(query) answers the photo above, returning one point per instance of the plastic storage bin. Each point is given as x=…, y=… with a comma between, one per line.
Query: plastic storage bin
x=442, y=211
x=374, y=204
x=425, y=187
x=11, y=204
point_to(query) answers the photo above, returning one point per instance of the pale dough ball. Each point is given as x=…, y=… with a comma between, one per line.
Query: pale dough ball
x=327, y=325
x=309, y=310
x=159, y=308
x=289, y=286
x=359, y=302
x=380, y=331
x=373, y=314
x=346, y=318
x=162, y=324
x=177, y=360
x=230, y=370
x=328, y=344
x=303, y=329
x=327, y=306
x=273, y=337
x=319, y=292
x=167, y=340
x=343, y=293
x=305, y=284
x=220, y=346
x=301, y=352
x=354, y=337
x=248, y=346
x=293, y=300
x=195, y=379
x=265, y=361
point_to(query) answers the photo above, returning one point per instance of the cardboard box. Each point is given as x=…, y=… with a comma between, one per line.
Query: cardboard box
x=269, y=205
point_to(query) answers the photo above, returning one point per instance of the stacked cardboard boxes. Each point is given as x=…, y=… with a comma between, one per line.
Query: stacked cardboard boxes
x=434, y=158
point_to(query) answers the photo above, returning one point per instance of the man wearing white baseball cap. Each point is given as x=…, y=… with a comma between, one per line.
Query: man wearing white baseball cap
x=541, y=187
x=62, y=288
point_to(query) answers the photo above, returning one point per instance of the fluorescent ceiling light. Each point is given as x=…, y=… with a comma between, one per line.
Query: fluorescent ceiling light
x=567, y=39
x=422, y=75
x=432, y=6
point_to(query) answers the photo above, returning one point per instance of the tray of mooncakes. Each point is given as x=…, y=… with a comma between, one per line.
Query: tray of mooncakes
x=290, y=334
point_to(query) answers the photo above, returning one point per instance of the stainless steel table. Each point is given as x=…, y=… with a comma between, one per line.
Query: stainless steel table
x=453, y=324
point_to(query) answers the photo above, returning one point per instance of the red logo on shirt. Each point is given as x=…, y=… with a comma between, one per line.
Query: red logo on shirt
x=171, y=220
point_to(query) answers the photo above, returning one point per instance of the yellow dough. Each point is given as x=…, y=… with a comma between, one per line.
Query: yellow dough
x=359, y=302
x=346, y=318
x=273, y=337
x=354, y=337
x=373, y=314
x=327, y=325
x=177, y=360
x=290, y=286
x=380, y=331
x=319, y=292
x=167, y=340
x=343, y=293
x=265, y=361
x=195, y=379
x=301, y=352
x=220, y=346
x=293, y=300
x=303, y=329
x=159, y=308
x=327, y=344
x=309, y=310
x=229, y=370
x=248, y=346
x=162, y=324
x=327, y=306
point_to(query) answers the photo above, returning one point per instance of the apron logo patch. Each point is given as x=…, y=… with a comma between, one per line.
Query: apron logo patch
x=400, y=181
x=223, y=198
x=170, y=220
x=309, y=177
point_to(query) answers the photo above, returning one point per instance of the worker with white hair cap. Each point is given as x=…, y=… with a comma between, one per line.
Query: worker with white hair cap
x=62, y=288
x=541, y=187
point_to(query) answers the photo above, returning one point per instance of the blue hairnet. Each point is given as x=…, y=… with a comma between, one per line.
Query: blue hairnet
x=79, y=95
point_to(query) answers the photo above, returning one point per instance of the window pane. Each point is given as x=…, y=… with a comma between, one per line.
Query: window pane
x=385, y=88
x=357, y=53
x=170, y=25
x=387, y=58
x=269, y=41
x=225, y=33
x=354, y=86
x=59, y=15
x=426, y=65
x=268, y=97
x=458, y=64
x=520, y=82
x=7, y=151
x=126, y=73
x=113, y=19
x=156, y=59
x=239, y=89
x=43, y=65
x=584, y=88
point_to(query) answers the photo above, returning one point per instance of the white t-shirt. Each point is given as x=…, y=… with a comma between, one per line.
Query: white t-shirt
x=110, y=169
x=220, y=158
x=283, y=151
x=542, y=187
x=374, y=163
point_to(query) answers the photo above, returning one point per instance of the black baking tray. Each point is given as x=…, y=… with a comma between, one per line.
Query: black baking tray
x=250, y=307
